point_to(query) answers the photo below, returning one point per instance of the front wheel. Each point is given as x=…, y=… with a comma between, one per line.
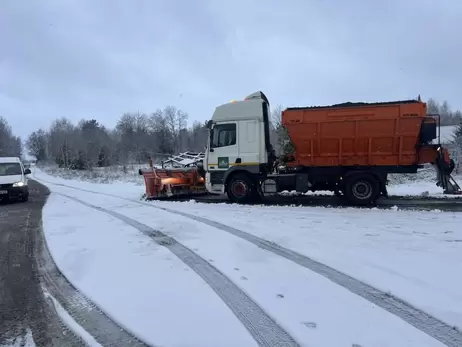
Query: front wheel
x=240, y=188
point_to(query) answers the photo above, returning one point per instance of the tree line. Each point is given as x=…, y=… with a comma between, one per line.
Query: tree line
x=135, y=138
x=448, y=116
x=10, y=145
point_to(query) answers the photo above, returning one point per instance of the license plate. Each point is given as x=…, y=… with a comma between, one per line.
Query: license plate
x=3, y=191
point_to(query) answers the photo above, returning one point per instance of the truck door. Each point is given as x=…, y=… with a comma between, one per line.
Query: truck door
x=223, y=151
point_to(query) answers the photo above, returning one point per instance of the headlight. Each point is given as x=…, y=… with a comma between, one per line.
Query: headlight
x=18, y=184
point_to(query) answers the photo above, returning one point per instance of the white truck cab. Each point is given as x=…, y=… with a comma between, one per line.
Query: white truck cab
x=239, y=149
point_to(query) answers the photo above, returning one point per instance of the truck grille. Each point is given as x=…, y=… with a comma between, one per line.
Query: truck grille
x=4, y=186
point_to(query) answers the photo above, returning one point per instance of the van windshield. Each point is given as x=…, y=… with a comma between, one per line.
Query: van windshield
x=9, y=169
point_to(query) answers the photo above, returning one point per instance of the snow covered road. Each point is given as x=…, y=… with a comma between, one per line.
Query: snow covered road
x=149, y=289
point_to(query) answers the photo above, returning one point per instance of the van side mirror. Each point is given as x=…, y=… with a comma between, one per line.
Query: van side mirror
x=27, y=172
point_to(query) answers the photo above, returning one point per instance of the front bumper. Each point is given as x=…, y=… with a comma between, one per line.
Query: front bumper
x=10, y=192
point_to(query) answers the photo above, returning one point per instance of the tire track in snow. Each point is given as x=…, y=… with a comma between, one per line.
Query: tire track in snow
x=265, y=331
x=88, y=318
x=430, y=325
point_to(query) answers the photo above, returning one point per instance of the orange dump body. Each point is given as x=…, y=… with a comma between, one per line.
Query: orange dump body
x=172, y=182
x=382, y=134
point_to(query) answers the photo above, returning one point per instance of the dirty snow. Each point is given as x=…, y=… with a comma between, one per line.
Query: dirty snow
x=71, y=323
x=21, y=341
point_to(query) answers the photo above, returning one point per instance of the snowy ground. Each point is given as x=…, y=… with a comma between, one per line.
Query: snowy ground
x=22, y=341
x=109, y=255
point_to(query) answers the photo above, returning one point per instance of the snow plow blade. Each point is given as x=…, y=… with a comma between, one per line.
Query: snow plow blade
x=172, y=182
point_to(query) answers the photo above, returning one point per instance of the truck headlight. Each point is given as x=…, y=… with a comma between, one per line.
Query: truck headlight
x=18, y=184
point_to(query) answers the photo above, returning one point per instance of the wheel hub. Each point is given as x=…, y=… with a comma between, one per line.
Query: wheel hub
x=239, y=189
x=362, y=190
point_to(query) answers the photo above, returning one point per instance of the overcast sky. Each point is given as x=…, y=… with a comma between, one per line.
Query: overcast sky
x=100, y=58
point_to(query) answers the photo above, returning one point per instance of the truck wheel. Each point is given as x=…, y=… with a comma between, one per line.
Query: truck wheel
x=362, y=189
x=240, y=188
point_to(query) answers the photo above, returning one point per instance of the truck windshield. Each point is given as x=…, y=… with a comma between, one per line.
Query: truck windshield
x=9, y=169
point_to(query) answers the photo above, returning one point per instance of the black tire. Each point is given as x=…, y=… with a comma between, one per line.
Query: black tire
x=240, y=188
x=361, y=189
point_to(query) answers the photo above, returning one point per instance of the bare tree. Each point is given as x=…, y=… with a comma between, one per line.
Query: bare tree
x=94, y=144
x=176, y=121
x=133, y=129
x=197, y=137
x=135, y=138
x=444, y=110
x=162, y=137
x=10, y=145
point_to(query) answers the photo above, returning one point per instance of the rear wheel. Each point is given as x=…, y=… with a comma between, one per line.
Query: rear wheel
x=240, y=188
x=362, y=189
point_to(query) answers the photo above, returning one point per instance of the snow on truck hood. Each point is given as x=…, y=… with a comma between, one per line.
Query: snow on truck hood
x=10, y=179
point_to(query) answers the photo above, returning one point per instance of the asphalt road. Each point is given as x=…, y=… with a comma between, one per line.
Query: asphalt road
x=23, y=306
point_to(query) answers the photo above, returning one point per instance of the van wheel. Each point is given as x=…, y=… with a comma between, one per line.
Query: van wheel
x=361, y=189
x=240, y=188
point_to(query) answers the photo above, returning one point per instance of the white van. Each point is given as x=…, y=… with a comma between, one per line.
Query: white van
x=13, y=179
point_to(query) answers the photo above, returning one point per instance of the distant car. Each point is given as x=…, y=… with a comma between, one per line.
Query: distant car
x=13, y=179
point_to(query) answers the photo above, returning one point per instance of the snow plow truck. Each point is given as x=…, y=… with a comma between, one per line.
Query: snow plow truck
x=347, y=148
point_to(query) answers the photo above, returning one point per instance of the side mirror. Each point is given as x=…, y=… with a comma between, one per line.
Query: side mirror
x=27, y=172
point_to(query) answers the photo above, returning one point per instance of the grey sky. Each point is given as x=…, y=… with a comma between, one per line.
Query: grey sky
x=100, y=58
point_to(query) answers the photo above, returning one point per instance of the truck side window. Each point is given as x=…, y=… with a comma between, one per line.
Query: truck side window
x=224, y=135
